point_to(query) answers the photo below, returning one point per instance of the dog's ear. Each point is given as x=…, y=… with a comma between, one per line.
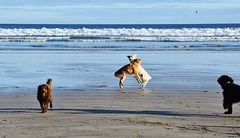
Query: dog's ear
x=134, y=56
x=129, y=57
x=39, y=88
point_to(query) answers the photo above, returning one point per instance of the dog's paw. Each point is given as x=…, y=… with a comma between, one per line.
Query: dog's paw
x=228, y=112
x=121, y=85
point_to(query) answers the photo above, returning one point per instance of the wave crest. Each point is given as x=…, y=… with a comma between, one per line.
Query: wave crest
x=123, y=34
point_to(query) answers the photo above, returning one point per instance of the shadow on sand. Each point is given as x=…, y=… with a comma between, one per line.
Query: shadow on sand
x=105, y=111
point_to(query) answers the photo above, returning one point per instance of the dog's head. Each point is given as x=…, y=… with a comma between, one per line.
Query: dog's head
x=224, y=79
x=132, y=58
x=43, y=89
x=137, y=61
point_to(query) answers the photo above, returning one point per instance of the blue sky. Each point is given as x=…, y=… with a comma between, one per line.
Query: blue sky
x=119, y=11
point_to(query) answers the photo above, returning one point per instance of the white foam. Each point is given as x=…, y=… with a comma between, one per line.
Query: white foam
x=185, y=34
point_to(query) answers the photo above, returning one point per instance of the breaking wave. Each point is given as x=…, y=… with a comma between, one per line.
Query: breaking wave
x=119, y=34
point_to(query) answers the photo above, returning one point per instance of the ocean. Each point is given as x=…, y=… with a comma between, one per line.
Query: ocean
x=138, y=37
x=81, y=57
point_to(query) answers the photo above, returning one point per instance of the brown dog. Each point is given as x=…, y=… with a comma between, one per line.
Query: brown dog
x=131, y=69
x=44, y=95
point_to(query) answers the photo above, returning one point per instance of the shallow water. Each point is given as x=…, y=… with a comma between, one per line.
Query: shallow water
x=25, y=70
x=120, y=46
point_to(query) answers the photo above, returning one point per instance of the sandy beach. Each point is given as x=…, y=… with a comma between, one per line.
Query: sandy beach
x=183, y=98
x=118, y=113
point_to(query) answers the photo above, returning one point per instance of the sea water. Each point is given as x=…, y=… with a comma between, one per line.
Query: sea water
x=86, y=56
x=157, y=37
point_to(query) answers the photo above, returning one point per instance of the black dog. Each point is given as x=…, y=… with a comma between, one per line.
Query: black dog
x=231, y=92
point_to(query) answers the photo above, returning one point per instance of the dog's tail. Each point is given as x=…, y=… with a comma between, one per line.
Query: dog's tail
x=116, y=74
x=49, y=81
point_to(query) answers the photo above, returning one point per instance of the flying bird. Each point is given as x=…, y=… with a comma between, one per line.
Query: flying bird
x=196, y=11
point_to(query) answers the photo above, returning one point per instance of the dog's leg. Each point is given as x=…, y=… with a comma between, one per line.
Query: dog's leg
x=122, y=78
x=136, y=75
x=229, y=111
x=227, y=105
x=120, y=84
x=45, y=107
x=51, y=102
x=144, y=83
x=43, y=110
x=41, y=105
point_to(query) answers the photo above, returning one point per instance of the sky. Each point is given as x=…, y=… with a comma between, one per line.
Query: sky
x=119, y=11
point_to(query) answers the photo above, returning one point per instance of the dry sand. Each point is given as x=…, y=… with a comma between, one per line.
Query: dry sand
x=118, y=113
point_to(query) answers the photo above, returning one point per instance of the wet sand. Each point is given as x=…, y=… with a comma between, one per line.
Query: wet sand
x=118, y=113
